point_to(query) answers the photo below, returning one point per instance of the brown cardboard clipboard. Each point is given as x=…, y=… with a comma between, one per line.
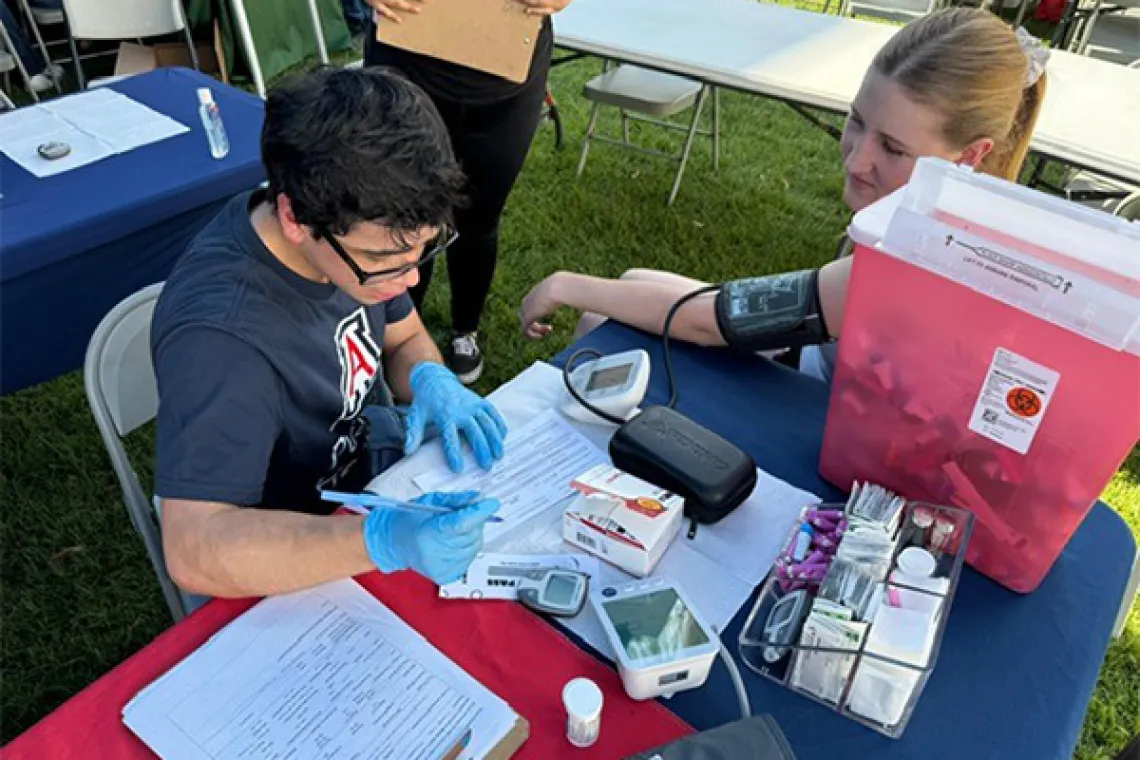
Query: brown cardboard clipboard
x=506, y=747
x=494, y=36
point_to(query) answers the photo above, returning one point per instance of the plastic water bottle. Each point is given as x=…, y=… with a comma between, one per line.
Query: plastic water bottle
x=212, y=121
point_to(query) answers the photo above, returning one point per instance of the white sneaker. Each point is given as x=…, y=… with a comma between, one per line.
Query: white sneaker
x=47, y=78
x=466, y=360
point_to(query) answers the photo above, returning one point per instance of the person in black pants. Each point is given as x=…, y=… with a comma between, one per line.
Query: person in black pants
x=491, y=121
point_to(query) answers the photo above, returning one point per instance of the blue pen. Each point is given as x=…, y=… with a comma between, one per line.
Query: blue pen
x=365, y=502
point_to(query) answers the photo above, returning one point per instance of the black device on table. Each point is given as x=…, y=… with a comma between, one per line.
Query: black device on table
x=664, y=447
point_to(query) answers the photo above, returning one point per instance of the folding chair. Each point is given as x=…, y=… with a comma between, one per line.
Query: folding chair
x=1129, y=209
x=1105, y=29
x=1113, y=36
x=125, y=19
x=902, y=11
x=118, y=376
x=642, y=91
x=37, y=17
x=241, y=18
x=8, y=62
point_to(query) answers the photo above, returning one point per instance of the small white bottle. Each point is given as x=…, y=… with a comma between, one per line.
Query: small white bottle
x=212, y=121
x=583, y=701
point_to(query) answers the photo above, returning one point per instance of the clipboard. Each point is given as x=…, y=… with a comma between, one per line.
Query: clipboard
x=507, y=746
x=494, y=36
x=512, y=742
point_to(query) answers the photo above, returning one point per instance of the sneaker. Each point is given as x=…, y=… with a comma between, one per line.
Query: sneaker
x=466, y=360
x=46, y=79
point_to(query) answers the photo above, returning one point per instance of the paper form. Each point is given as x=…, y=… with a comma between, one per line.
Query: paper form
x=329, y=672
x=95, y=124
x=533, y=478
x=719, y=569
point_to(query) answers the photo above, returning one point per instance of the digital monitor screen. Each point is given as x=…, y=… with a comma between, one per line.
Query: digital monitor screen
x=656, y=624
x=560, y=590
x=609, y=378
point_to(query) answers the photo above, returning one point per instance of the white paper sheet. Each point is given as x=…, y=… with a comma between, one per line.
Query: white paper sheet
x=718, y=569
x=329, y=672
x=539, y=461
x=95, y=124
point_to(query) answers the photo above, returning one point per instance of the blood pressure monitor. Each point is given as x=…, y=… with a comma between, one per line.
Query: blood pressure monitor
x=662, y=644
x=615, y=384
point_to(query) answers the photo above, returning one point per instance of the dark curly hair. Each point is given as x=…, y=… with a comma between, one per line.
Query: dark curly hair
x=359, y=145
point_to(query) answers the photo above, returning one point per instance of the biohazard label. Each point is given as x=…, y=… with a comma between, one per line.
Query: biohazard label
x=1013, y=401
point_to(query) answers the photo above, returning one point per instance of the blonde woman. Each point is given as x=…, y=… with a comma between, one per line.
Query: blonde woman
x=957, y=84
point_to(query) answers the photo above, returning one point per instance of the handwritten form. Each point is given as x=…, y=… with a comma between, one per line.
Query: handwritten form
x=330, y=673
x=719, y=568
x=539, y=461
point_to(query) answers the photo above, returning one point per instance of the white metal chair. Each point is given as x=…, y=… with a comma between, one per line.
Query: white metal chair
x=1106, y=29
x=9, y=62
x=241, y=18
x=902, y=11
x=49, y=17
x=125, y=19
x=1114, y=37
x=1129, y=209
x=118, y=375
x=37, y=16
x=634, y=90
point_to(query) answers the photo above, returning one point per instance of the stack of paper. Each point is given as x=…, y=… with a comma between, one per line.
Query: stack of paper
x=94, y=125
x=331, y=673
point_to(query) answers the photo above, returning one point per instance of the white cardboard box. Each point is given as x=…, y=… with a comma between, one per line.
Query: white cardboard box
x=622, y=519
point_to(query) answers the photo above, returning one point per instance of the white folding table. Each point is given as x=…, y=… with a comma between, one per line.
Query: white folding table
x=816, y=60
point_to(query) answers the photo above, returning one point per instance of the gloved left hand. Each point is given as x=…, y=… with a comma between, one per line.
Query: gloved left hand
x=438, y=397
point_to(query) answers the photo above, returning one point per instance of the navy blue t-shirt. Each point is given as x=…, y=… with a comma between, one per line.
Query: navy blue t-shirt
x=262, y=375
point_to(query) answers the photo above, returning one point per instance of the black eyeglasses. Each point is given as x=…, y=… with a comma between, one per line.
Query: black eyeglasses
x=445, y=234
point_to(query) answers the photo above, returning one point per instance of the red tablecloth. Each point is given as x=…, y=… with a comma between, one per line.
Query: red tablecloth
x=507, y=648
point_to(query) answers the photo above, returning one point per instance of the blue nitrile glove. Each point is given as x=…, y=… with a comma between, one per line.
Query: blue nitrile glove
x=439, y=547
x=438, y=397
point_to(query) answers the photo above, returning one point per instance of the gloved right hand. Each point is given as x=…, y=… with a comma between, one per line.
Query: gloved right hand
x=438, y=546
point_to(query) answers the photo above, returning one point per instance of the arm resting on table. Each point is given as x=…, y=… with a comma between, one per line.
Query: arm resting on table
x=641, y=304
x=644, y=304
x=223, y=550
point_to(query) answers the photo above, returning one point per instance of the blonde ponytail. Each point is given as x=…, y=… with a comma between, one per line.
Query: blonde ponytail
x=1008, y=155
x=970, y=67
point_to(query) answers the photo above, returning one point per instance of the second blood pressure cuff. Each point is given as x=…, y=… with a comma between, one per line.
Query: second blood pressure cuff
x=777, y=311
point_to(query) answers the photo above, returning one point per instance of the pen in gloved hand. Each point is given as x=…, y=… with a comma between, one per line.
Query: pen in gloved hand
x=365, y=502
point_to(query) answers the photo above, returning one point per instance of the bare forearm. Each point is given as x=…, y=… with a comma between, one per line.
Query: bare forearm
x=643, y=305
x=236, y=552
x=399, y=363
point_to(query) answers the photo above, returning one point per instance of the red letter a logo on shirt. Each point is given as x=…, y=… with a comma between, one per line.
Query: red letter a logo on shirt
x=359, y=361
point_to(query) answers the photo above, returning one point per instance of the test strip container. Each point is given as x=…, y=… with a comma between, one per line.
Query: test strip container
x=862, y=673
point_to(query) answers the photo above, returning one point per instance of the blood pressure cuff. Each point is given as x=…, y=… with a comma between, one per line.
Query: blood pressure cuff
x=777, y=311
x=755, y=738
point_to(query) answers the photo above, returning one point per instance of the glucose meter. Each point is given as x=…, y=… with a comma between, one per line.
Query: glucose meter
x=662, y=644
x=554, y=591
x=614, y=384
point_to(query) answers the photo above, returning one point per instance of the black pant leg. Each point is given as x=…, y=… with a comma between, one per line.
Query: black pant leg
x=491, y=145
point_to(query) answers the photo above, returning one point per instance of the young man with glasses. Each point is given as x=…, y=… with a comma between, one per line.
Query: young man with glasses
x=279, y=334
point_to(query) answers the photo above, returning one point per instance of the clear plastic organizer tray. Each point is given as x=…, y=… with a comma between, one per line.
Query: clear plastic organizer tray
x=860, y=680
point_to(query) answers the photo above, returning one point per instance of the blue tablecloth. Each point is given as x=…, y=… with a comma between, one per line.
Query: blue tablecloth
x=74, y=245
x=1015, y=673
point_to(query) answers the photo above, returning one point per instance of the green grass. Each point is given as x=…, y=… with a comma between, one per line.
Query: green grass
x=78, y=595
